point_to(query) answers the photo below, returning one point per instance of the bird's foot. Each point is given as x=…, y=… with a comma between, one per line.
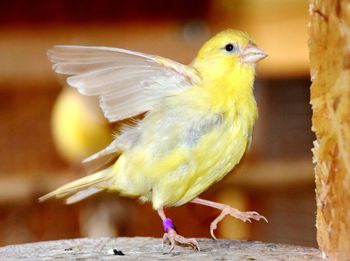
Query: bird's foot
x=175, y=239
x=244, y=216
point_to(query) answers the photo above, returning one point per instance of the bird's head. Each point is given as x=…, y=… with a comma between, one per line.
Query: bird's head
x=228, y=52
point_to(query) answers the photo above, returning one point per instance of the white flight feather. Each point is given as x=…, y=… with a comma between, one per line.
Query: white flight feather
x=128, y=83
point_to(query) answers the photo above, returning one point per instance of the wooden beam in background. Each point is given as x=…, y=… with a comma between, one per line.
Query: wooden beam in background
x=23, y=49
x=264, y=175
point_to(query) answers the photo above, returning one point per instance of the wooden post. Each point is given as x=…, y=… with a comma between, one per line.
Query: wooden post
x=142, y=248
x=330, y=98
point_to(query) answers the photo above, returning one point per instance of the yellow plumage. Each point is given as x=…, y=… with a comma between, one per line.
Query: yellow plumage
x=198, y=124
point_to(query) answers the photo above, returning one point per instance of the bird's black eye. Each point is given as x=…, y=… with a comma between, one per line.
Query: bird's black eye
x=229, y=47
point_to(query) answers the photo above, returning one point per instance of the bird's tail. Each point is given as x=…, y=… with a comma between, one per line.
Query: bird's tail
x=82, y=188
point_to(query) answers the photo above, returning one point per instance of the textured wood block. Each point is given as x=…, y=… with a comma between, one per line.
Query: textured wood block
x=139, y=248
x=330, y=99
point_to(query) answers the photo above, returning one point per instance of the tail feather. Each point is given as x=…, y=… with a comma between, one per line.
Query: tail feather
x=81, y=188
x=82, y=194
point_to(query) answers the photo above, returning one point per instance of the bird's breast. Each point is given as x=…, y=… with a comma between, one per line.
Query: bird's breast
x=206, y=152
x=180, y=153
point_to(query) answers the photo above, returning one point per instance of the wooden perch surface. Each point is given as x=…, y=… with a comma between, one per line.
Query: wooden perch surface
x=142, y=248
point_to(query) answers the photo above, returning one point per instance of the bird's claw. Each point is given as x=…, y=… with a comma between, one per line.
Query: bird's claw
x=213, y=226
x=244, y=216
x=176, y=239
x=247, y=216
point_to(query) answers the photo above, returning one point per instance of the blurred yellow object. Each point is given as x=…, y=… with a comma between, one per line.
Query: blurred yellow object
x=198, y=124
x=78, y=126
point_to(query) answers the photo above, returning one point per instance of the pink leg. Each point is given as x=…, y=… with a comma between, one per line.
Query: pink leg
x=227, y=210
x=173, y=237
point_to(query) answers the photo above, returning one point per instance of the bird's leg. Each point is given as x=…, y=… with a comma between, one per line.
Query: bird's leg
x=227, y=210
x=172, y=236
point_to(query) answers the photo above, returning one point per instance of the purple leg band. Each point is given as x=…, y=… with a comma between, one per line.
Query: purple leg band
x=168, y=223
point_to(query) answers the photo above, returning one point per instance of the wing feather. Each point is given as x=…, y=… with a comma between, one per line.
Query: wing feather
x=127, y=82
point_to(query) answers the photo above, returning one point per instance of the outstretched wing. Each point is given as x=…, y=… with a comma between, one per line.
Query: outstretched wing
x=128, y=83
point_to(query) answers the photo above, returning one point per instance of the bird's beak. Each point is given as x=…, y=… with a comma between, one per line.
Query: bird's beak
x=252, y=54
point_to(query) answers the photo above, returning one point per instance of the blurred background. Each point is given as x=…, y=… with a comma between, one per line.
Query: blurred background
x=46, y=128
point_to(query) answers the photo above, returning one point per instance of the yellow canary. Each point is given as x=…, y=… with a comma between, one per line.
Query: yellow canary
x=198, y=123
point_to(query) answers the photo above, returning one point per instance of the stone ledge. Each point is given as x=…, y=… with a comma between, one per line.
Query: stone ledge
x=144, y=248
